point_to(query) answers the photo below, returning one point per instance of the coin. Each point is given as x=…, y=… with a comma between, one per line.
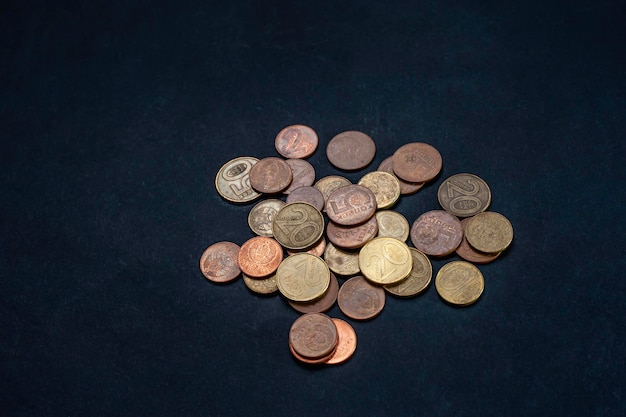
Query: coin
x=459, y=283
x=317, y=249
x=351, y=150
x=464, y=195
x=470, y=254
x=360, y=300
x=313, y=335
x=329, y=184
x=303, y=359
x=384, y=186
x=296, y=141
x=233, y=180
x=436, y=233
x=352, y=237
x=405, y=186
x=489, y=232
x=303, y=277
x=351, y=205
x=346, y=344
x=298, y=225
x=385, y=260
x=264, y=286
x=392, y=224
x=417, y=281
x=324, y=303
x=261, y=216
x=270, y=175
x=302, y=172
x=310, y=195
x=342, y=262
x=417, y=162
x=260, y=256
x=218, y=262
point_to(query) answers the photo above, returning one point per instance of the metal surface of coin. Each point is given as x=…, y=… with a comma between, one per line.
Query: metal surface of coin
x=261, y=216
x=384, y=186
x=359, y=299
x=351, y=205
x=298, y=225
x=302, y=172
x=405, y=186
x=436, y=233
x=392, y=224
x=324, y=303
x=330, y=183
x=218, y=262
x=351, y=150
x=260, y=256
x=341, y=261
x=417, y=162
x=296, y=141
x=459, y=283
x=270, y=175
x=489, y=232
x=352, y=237
x=417, y=281
x=346, y=345
x=317, y=361
x=313, y=335
x=262, y=286
x=470, y=254
x=464, y=195
x=303, y=277
x=385, y=260
x=310, y=195
x=233, y=180
x=317, y=249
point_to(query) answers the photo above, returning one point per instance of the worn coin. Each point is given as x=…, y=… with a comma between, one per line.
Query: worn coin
x=233, y=180
x=260, y=256
x=270, y=175
x=313, y=335
x=417, y=162
x=302, y=172
x=340, y=261
x=351, y=205
x=359, y=299
x=324, y=303
x=317, y=249
x=405, y=186
x=298, y=225
x=352, y=237
x=218, y=262
x=351, y=150
x=296, y=141
x=459, y=283
x=317, y=361
x=261, y=216
x=384, y=186
x=417, y=281
x=266, y=285
x=303, y=277
x=436, y=233
x=464, y=195
x=489, y=232
x=328, y=184
x=346, y=345
x=310, y=195
x=385, y=260
x=470, y=254
x=392, y=224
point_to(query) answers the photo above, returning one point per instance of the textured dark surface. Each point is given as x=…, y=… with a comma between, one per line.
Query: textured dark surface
x=114, y=119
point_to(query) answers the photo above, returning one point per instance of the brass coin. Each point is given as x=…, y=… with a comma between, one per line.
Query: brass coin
x=270, y=175
x=313, y=335
x=417, y=281
x=260, y=256
x=296, y=141
x=464, y=195
x=417, y=162
x=330, y=183
x=310, y=195
x=436, y=233
x=385, y=260
x=218, y=262
x=351, y=205
x=384, y=186
x=233, y=180
x=359, y=299
x=346, y=345
x=303, y=277
x=261, y=216
x=489, y=232
x=302, y=172
x=352, y=237
x=324, y=303
x=298, y=225
x=351, y=150
x=341, y=262
x=459, y=283
x=405, y=186
x=264, y=286
x=317, y=249
x=392, y=224
x=470, y=254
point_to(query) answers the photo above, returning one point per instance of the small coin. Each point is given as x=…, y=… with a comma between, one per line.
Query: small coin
x=351, y=205
x=385, y=260
x=352, y=237
x=317, y=361
x=310, y=195
x=436, y=233
x=360, y=300
x=351, y=150
x=233, y=180
x=303, y=277
x=341, y=262
x=298, y=225
x=313, y=336
x=417, y=162
x=489, y=232
x=324, y=303
x=470, y=254
x=417, y=281
x=260, y=256
x=218, y=262
x=330, y=183
x=346, y=345
x=264, y=286
x=296, y=141
x=459, y=283
x=261, y=216
x=392, y=224
x=464, y=195
x=302, y=172
x=384, y=186
x=270, y=175
x=405, y=186
x=317, y=249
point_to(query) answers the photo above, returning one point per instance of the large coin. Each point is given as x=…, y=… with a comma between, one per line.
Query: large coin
x=384, y=186
x=351, y=150
x=346, y=345
x=417, y=281
x=489, y=232
x=218, y=262
x=341, y=262
x=303, y=277
x=310, y=195
x=261, y=216
x=459, y=283
x=470, y=254
x=464, y=195
x=313, y=335
x=260, y=256
x=405, y=186
x=324, y=303
x=417, y=162
x=296, y=141
x=270, y=175
x=302, y=172
x=233, y=180
x=352, y=237
x=351, y=205
x=359, y=299
x=298, y=225
x=436, y=233
x=385, y=260
x=392, y=224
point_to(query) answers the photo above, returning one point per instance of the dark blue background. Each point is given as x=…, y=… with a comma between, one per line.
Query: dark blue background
x=116, y=116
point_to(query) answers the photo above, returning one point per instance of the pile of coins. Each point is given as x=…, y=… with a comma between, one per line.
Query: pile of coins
x=333, y=227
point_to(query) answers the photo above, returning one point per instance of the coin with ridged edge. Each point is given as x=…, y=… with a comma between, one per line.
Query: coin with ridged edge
x=298, y=225
x=385, y=260
x=302, y=277
x=233, y=180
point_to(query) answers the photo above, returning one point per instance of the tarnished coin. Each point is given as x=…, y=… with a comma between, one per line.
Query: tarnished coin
x=489, y=232
x=351, y=150
x=392, y=224
x=317, y=249
x=405, y=186
x=346, y=345
x=328, y=184
x=464, y=195
x=302, y=172
x=233, y=180
x=317, y=361
x=296, y=141
x=384, y=186
x=260, y=256
x=351, y=205
x=359, y=299
x=417, y=162
x=261, y=216
x=313, y=335
x=459, y=283
x=218, y=262
x=468, y=253
x=341, y=262
x=385, y=260
x=264, y=286
x=310, y=195
x=303, y=277
x=417, y=281
x=270, y=175
x=298, y=225
x=436, y=233
x=352, y=237
x=324, y=303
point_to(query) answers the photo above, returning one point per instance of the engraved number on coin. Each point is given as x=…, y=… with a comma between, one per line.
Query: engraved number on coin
x=387, y=260
x=293, y=226
x=466, y=203
x=304, y=269
x=461, y=280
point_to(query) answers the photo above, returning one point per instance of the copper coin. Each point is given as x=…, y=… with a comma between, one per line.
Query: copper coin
x=352, y=237
x=324, y=303
x=233, y=180
x=218, y=262
x=317, y=249
x=468, y=253
x=296, y=141
x=351, y=205
x=436, y=233
x=405, y=186
x=318, y=361
x=417, y=162
x=270, y=175
x=310, y=195
x=346, y=345
x=360, y=300
x=351, y=150
x=302, y=172
x=260, y=256
x=464, y=195
x=313, y=335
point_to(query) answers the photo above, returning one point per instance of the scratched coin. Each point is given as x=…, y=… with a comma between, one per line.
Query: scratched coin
x=313, y=335
x=384, y=186
x=340, y=261
x=351, y=150
x=303, y=277
x=302, y=172
x=324, y=303
x=459, y=283
x=385, y=260
x=346, y=344
x=359, y=299
x=298, y=225
x=218, y=262
x=233, y=180
x=417, y=281
x=351, y=205
x=436, y=233
x=417, y=162
x=467, y=252
x=489, y=232
x=270, y=175
x=296, y=141
x=352, y=237
x=264, y=286
x=464, y=195
x=392, y=224
x=261, y=216
x=260, y=256
x=310, y=195
x=405, y=186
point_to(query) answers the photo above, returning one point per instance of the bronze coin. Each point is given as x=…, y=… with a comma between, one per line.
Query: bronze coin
x=329, y=184
x=298, y=225
x=302, y=172
x=436, y=233
x=351, y=150
x=351, y=205
x=459, y=283
x=489, y=232
x=233, y=180
x=260, y=256
x=218, y=262
x=310, y=195
x=384, y=186
x=324, y=303
x=468, y=253
x=270, y=175
x=313, y=335
x=405, y=186
x=464, y=195
x=417, y=162
x=317, y=249
x=296, y=141
x=360, y=300
x=318, y=361
x=346, y=345
x=352, y=237
x=264, y=286
x=342, y=262
x=417, y=281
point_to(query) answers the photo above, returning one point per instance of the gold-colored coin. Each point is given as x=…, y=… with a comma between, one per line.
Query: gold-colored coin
x=392, y=224
x=302, y=277
x=459, y=283
x=418, y=280
x=261, y=216
x=298, y=225
x=329, y=184
x=384, y=186
x=385, y=260
x=464, y=195
x=264, y=286
x=341, y=262
x=489, y=232
x=233, y=180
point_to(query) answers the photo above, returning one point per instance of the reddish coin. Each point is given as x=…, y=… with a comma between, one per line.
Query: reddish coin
x=360, y=300
x=417, y=162
x=351, y=150
x=310, y=195
x=302, y=172
x=470, y=254
x=296, y=141
x=218, y=262
x=260, y=256
x=436, y=233
x=350, y=205
x=317, y=249
x=321, y=304
x=313, y=335
x=303, y=359
x=352, y=237
x=270, y=175
x=346, y=346
x=405, y=186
